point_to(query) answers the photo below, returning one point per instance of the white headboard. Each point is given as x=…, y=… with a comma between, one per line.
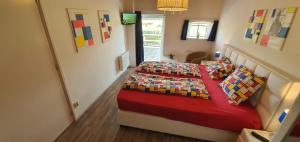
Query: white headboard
x=280, y=91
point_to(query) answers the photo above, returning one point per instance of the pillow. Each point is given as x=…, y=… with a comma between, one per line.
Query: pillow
x=254, y=99
x=241, y=84
x=224, y=60
x=220, y=70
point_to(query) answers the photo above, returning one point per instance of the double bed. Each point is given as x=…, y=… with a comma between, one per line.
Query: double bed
x=214, y=113
x=214, y=119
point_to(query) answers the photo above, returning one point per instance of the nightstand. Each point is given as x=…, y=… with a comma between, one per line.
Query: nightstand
x=246, y=135
x=167, y=59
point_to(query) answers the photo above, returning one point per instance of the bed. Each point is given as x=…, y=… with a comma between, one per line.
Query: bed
x=180, y=115
x=214, y=113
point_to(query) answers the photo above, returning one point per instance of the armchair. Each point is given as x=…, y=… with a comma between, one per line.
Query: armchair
x=197, y=57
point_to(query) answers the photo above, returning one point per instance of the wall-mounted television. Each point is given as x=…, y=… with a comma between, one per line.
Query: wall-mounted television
x=128, y=18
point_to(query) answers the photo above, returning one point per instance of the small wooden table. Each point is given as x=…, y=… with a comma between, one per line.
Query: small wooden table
x=246, y=135
x=167, y=59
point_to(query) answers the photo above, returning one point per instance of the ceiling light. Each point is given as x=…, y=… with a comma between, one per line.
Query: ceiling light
x=172, y=5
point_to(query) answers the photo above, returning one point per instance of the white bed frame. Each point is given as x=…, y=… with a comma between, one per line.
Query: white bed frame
x=279, y=94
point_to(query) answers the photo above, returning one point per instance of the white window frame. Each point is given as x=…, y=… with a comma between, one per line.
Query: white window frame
x=207, y=24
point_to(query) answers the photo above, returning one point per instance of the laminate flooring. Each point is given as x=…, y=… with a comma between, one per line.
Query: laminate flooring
x=99, y=123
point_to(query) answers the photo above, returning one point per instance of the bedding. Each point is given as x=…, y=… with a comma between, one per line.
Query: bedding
x=241, y=84
x=225, y=60
x=185, y=69
x=214, y=113
x=191, y=87
x=220, y=70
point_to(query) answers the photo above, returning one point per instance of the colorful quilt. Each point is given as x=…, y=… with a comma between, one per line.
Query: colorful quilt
x=191, y=87
x=187, y=69
x=220, y=70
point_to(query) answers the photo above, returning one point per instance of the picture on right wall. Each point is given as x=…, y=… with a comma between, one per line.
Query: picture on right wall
x=255, y=24
x=277, y=27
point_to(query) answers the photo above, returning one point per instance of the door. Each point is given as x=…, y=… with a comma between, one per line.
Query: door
x=153, y=29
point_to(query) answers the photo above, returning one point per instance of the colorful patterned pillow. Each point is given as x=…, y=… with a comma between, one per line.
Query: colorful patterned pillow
x=241, y=84
x=225, y=60
x=191, y=87
x=220, y=70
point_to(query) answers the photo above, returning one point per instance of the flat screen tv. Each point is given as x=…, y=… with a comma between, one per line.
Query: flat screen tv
x=128, y=18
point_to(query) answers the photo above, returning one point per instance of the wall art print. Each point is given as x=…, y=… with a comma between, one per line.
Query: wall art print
x=255, y=25
x=105, y=25
x=81, y=28
x=277, y=27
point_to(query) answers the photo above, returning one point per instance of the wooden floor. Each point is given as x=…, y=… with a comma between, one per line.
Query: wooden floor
x=99, y=123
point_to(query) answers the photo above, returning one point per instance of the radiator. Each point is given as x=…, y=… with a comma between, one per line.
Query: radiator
x=124, y=61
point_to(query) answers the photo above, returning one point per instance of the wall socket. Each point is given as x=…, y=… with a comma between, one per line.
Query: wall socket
x=76, y=104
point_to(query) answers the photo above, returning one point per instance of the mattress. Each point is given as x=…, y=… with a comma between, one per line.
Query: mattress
x=215, y=113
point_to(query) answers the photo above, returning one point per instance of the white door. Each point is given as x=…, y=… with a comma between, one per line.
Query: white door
x=153, y=29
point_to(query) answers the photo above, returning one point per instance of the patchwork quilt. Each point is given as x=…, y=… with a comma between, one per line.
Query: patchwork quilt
x=191, y=87
x=187, y=69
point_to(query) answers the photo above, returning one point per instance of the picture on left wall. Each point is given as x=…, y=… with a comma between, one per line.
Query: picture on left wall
x=81, y=28
x=105, y=25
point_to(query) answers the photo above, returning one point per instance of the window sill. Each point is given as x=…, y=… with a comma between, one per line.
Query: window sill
x=196, y=39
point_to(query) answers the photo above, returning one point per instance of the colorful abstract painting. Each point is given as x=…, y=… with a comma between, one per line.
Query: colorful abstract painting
x=277, y=27
x=105, y=25
x=255, y=24
x=81, y=28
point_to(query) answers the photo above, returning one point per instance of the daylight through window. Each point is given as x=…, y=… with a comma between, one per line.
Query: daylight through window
x=199, y=30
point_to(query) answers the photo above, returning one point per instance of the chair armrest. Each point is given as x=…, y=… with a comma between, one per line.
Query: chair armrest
x=197, y=60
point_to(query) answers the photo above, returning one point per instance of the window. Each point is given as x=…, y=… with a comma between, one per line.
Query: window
x=199, y=29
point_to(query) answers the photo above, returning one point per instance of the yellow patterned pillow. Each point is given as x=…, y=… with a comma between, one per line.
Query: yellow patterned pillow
x=241, y=84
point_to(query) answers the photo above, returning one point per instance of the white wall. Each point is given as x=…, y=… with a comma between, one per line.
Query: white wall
x=130, y=33
x=33, y=107
x=92, y=70
x=198, y=10
x=233, y=24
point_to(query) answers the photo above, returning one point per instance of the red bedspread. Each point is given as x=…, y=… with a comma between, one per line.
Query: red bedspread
x=214, y=113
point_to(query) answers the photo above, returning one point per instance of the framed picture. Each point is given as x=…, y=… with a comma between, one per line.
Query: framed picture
x=105, y=25
x=255, y=25
x=81, y=28
x=277, y=27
